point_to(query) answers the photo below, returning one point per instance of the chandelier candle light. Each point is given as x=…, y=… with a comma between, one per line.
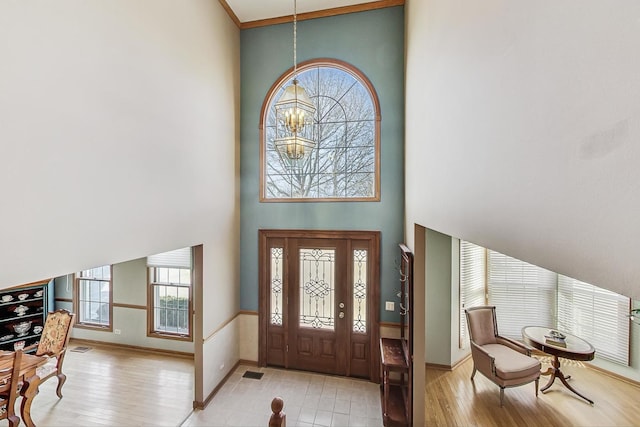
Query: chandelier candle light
x=294, y=114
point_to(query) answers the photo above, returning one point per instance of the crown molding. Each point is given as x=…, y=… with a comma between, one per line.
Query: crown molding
x=380, y=4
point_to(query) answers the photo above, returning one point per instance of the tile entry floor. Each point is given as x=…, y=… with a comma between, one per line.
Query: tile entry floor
x=309, y=400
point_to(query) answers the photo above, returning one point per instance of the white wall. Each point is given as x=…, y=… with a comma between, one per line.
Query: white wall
x=220, y=306
x=116, y=120
x=118, y=139
x=523, y=130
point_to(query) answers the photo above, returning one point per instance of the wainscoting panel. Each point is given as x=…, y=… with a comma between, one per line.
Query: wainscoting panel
x=248, y=338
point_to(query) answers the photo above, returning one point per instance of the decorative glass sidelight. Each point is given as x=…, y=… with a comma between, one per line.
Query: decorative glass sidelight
x=317, y=291
x=276, y=286
x=360, y=290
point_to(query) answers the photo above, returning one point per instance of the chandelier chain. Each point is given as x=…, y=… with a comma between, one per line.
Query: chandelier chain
x=295, y=37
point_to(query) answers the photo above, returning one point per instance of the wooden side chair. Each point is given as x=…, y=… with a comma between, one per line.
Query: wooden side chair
x=53, y=344
x=9, y=379
x=506, y=362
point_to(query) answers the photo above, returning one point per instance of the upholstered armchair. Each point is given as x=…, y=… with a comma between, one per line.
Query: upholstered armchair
x=53, y=345
x=506, y=362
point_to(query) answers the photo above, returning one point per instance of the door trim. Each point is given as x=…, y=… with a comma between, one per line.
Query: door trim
x=373, y=302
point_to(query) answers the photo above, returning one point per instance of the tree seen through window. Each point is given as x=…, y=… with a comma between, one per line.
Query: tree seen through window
x=343, y=165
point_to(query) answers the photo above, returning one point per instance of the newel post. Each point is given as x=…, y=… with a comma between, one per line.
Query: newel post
x=278, y=418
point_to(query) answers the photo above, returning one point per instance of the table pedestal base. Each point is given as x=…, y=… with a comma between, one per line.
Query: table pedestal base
x=555, y=372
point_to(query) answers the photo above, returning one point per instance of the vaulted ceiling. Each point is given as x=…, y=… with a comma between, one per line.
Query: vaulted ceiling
x=248, y=13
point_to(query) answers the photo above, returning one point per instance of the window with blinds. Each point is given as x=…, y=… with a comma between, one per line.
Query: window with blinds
x=597, y=315
x=528, y=295
x=179, y=258
x=472, y=283
x=524, y=294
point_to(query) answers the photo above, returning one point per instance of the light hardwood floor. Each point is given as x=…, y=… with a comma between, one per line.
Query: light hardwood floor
x=108, y=386
x=452, y=399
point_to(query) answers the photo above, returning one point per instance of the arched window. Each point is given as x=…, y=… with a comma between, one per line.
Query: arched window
x=344, y=163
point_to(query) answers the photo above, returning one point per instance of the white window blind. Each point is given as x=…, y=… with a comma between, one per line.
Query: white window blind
x=472, y=283
x=597, y=315
x=524, y=294
x=98, y=273
x=179, y=258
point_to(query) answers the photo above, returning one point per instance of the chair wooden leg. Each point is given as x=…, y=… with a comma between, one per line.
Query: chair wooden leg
x=473, y=373
x=501, y=396
x=61, y=380
x=14, y=420
x=537, y=381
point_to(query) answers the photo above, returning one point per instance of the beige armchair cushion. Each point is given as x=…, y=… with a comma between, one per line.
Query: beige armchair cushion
x=510, y=364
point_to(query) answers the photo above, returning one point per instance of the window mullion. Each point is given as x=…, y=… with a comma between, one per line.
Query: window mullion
x=170, y=294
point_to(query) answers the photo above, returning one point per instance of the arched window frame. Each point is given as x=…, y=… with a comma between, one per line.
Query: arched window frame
x=269, y=99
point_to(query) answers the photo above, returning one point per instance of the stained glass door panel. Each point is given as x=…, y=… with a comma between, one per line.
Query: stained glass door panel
x=319, y=333
x=317, y=288
x=277, y=296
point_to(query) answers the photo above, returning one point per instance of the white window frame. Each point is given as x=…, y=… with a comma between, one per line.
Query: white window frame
x=82, y=279
x=170, y=273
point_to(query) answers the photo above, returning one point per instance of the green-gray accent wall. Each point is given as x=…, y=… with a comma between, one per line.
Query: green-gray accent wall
x=373, y=42
x=442, y=297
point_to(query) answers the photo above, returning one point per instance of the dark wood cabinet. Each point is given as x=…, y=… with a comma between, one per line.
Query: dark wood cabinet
x=23, y=310
x=396, y=354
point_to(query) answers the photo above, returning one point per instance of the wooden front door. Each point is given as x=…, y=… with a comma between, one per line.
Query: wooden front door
x=319, y=301
x=316, y=271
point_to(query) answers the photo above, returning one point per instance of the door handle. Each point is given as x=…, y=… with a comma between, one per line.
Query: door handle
x=341, y=315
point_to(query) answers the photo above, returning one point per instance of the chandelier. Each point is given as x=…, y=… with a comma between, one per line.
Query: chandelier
x=294, y=113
